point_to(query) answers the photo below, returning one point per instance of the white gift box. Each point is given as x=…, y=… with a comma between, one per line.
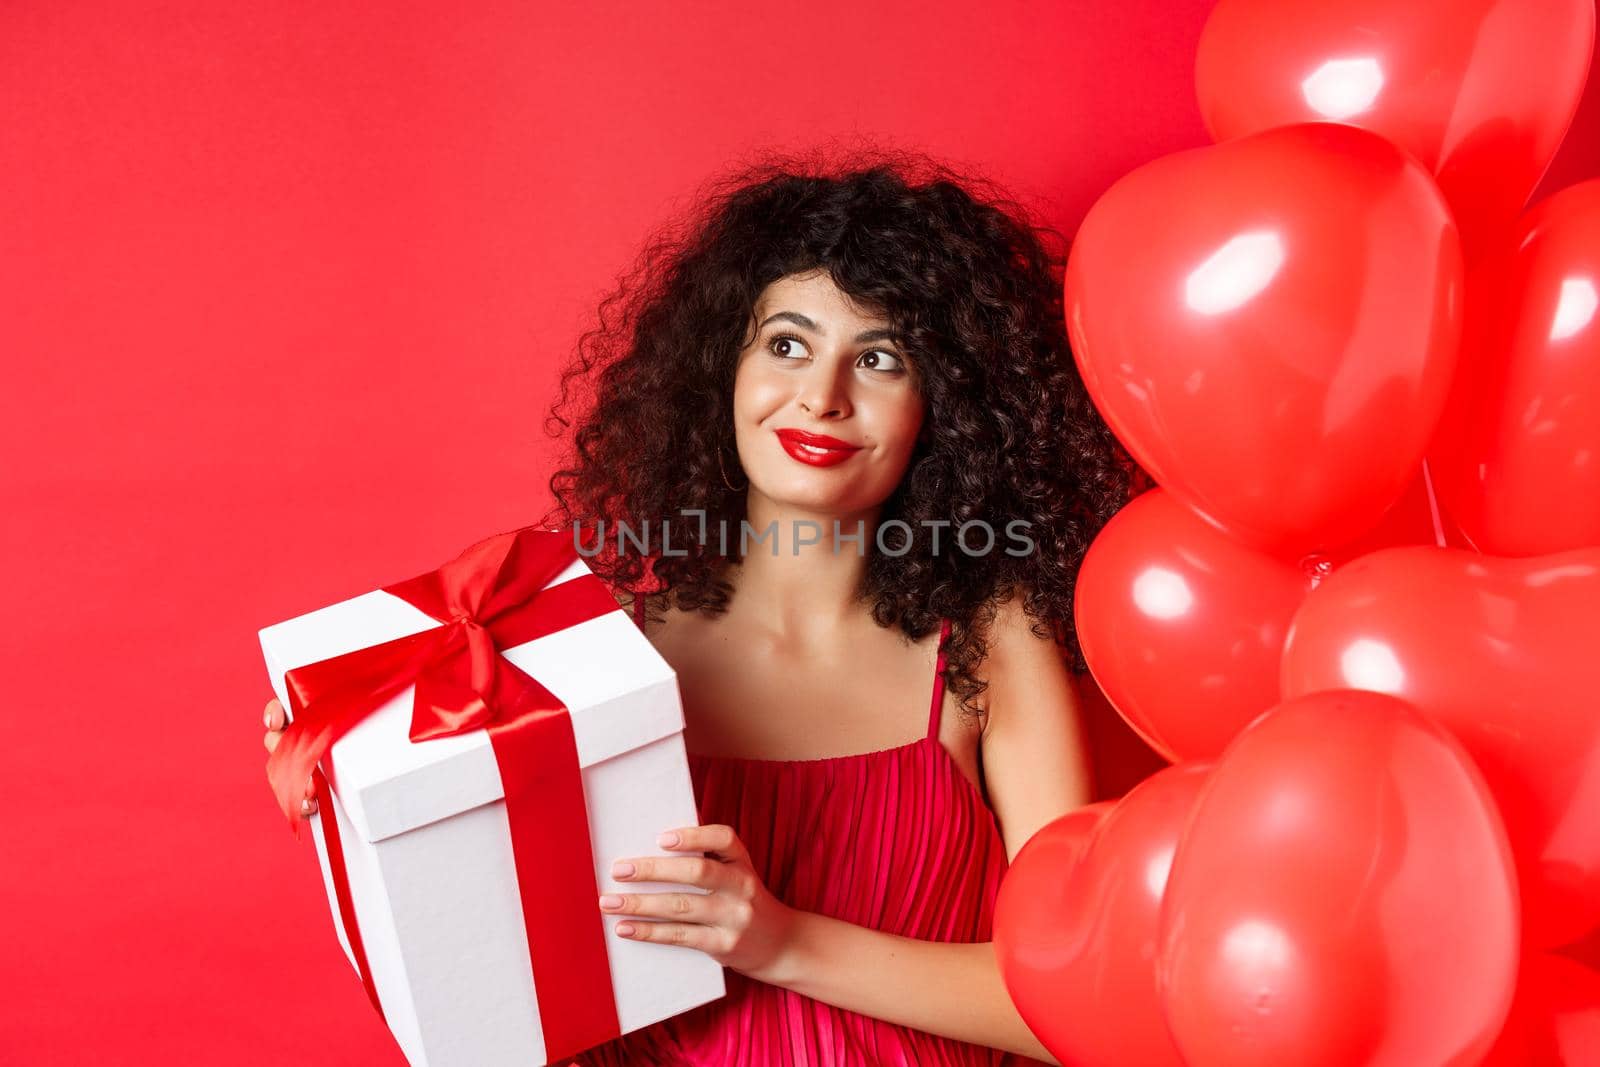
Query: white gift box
x=427, y=847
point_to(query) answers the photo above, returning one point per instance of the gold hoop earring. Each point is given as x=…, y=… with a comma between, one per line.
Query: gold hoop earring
x=724, y=470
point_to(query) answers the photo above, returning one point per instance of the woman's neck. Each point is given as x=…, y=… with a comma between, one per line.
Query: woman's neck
x=796, y=580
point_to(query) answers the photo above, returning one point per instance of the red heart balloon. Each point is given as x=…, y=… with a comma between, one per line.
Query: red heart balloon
x=1517, y=453
x=1555, y=1020
x=1183, y=627
x=1270, y=325
x=1481, y=91
x=1075, y=924
x=1030, y=942
x=1503, y=652
x=1342, y=896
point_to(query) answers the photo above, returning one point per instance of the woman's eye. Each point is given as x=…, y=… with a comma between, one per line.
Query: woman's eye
x=876, y=357
x=782, y=338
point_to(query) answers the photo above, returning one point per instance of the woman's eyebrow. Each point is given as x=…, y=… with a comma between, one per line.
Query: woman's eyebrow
x=806, y=323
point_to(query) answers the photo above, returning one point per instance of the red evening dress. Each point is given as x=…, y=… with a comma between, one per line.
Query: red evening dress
x=898, y=840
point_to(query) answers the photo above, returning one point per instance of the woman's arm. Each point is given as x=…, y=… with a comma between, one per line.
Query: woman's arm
x=950, y=989
x=1034, y=758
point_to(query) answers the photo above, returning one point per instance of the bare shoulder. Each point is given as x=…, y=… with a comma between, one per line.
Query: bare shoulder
x=1020, y=652
x=1023, y=667
x=1016, y=635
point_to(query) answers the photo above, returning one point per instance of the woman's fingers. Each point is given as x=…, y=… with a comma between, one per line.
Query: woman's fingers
x=684, y=907
x=718, y=839
x=689, y=870
x=273, y=718
x=708, y=939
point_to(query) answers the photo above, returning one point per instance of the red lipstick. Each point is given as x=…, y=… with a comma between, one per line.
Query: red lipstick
x=816, y=449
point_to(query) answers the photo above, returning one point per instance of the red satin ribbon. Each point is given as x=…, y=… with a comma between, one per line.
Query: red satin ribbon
x=492, y=596
x=341, y=886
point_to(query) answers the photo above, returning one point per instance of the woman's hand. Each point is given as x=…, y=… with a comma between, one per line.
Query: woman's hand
x=275, y=720
x=738, y=922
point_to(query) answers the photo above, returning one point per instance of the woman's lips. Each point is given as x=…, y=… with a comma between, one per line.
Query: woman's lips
x=818, y=450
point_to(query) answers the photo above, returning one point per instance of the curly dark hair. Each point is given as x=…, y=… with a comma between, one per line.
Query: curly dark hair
x=974, y=287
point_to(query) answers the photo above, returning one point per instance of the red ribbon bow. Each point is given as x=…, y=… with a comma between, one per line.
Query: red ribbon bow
x=492, y=596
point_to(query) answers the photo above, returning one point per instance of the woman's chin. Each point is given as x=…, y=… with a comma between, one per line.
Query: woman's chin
x=816, y=492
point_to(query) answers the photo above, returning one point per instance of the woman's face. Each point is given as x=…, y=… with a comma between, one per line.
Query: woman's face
x=818, y=365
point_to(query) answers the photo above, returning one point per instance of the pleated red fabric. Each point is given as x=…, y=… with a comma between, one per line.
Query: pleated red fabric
x=898, y=839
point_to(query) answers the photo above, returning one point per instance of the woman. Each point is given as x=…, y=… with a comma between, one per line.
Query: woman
x=839, y=418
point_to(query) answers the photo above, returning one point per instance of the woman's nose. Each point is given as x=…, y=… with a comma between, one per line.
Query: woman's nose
x=823, y=393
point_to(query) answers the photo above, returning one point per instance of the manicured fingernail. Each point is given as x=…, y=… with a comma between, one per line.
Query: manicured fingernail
x=266, y=719
x=622, y=869
x=610, y=900
x=625, y=929
x=306, y=807
x=667, y=838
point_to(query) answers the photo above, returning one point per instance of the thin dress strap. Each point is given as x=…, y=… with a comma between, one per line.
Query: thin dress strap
x=938, y=683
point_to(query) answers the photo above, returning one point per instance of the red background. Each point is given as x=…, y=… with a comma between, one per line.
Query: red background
x=283, y=290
